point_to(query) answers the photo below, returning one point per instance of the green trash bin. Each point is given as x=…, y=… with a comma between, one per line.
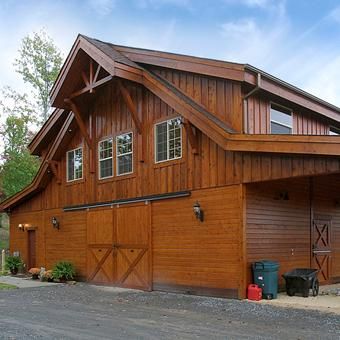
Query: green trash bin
x=266, y=276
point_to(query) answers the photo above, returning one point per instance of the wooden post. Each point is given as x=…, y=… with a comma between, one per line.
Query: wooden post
x=3, y=260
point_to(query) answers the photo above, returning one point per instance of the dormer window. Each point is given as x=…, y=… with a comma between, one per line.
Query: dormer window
x=281, y=120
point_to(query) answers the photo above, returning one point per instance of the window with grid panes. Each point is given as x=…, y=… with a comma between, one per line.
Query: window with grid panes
x=168, y=141
x=105, y=153
x=74, y=164
x=124, y=153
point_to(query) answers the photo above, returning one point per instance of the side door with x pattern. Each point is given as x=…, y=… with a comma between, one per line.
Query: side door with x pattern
x=321, y=247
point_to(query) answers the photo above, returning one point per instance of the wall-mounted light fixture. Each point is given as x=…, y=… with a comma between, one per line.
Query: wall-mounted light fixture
x=21, y=227
x=198, y=211
x=283, y=196
x=55, y=223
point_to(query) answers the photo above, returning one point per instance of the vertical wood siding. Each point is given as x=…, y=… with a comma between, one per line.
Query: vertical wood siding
x=258, y=118
x=221, y=97
x=326, y=203
x=281, y=229
x=211, y=167
x=189, y=255
x=19, y=239
x=52, y=245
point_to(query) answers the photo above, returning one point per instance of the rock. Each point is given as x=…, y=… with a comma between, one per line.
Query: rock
x=71, y=282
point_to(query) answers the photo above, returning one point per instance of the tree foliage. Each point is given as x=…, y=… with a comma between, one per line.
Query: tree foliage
x=19, y=113
x=18, y=172
x=39, y=63
x=18, y=166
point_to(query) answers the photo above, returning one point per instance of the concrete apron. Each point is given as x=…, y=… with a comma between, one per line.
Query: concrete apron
x=328, y=300
x=25, y=282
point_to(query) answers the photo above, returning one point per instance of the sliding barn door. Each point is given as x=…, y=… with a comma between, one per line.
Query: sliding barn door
x=100, y=250
x=133, y=250
x=119, y=246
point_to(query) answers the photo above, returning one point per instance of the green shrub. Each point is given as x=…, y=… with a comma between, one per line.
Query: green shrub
x=63, y=270
x=13, y=263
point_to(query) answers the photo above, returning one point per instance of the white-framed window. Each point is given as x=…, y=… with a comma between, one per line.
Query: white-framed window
x=168, y=140
x=105, y=158
x=74, y=164
x=124, y=154
x=281, y=120
x=333, y=131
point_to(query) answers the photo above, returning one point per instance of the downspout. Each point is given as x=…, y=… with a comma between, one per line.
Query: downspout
x=245, y=102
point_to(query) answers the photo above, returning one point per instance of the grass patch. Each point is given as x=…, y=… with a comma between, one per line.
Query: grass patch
x=4, y=238
x=5, y=286
x=3, y=244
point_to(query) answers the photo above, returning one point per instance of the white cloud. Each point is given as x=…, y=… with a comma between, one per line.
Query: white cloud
x=300, y=59
x=160, y=3
x=335, y=14
x=237, y=28
x=257, y=3
x=102, y=7
x=148, y=37
x=262, y=4
x=247, y=41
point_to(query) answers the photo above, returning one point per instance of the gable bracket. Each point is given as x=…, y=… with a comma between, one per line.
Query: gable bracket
x=80, y=122
x=131, y=106
x=55, y=168
x=86, y=81
x=189, y=129
x=96, y=74
x=90, y=88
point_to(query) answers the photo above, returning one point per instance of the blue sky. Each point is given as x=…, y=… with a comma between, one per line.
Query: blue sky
x=297, y=41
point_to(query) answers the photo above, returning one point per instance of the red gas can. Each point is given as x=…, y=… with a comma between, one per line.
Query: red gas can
x=254, y=292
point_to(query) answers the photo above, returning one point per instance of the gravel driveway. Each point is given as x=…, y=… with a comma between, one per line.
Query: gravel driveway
x=92, y=312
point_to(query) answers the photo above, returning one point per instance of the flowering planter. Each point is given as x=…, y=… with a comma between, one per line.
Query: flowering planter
x=14, y=271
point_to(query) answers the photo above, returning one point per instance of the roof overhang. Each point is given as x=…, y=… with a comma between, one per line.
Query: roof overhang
x=118, y=65
x=44, y=174
x=69, y=77
x=48, y=131
x=234, y=71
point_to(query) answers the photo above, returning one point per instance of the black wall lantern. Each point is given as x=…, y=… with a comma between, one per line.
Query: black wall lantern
x=283, y=196
x=55, y=223
x=198, y=211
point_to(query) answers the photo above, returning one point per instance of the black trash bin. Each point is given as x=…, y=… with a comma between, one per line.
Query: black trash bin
x=301, y=280
x=266, y=276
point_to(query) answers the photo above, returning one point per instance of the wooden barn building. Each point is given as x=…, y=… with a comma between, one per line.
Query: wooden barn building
x=168, y=172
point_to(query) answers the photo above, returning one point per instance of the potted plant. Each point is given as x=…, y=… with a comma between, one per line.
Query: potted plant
x=34, y=273
x=47, y=276
x=13, y=263
x=63, y=271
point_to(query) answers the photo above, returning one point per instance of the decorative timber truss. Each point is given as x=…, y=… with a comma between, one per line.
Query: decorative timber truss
x=92, y=63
